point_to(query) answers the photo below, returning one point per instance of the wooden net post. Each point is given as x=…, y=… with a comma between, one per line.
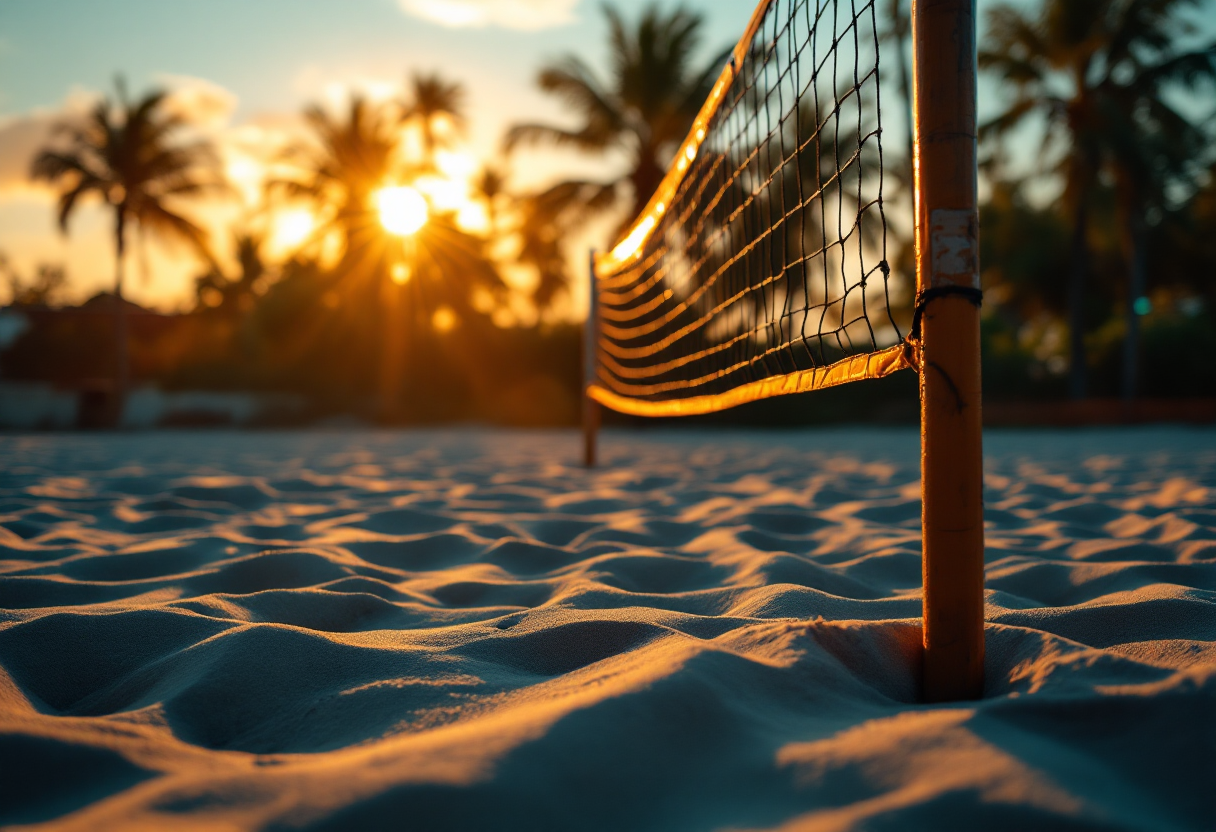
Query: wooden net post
x=947, y=268
x=591, y=408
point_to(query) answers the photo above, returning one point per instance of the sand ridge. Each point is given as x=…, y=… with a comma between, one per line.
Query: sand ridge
x=463, y=629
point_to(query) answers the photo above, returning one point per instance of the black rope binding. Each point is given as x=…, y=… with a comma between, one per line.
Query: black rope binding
x=925, y=296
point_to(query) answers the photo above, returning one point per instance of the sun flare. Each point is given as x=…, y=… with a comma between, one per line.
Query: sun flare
x=292, y=228
x=403, y=210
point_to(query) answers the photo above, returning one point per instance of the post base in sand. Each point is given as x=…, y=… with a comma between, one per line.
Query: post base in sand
x=591, y=426
x=951, y=674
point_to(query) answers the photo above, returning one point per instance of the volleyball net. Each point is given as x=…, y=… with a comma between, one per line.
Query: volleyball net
x=759, y=267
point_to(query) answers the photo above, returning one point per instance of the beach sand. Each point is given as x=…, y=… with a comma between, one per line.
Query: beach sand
x=715, y=630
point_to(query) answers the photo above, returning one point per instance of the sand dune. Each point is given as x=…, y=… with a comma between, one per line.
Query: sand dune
x=465, y=630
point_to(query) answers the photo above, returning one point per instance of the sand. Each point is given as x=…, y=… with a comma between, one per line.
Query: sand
x=465, y=630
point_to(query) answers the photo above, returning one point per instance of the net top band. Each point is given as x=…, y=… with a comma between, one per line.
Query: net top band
x=634, y=240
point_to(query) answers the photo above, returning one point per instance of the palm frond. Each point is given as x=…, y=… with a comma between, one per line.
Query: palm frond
x=1013, y=116
x=523, y=135
x=575, y=84
x=69, y=198
x=53, y=165
x=155, y=217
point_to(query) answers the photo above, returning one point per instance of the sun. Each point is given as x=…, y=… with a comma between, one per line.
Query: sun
x=402, y=210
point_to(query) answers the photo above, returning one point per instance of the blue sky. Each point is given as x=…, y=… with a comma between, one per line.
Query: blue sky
x=273, y=54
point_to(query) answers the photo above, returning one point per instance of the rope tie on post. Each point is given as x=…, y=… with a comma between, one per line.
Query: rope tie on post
x=923, y=299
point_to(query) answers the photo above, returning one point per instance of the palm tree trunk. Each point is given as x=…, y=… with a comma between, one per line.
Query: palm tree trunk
x=1137, y=267
x=392, y=358
x=121, y=358
x=1076, y=299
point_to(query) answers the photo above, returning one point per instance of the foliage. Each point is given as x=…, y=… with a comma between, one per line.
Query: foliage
x=358, y=321
x=128, y=154
x=1098, y=74
x=644, y=110
x=348, y=157
x=43, y=289
x=434, y=103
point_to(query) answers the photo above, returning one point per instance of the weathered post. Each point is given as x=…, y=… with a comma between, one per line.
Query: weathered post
x=947, y=236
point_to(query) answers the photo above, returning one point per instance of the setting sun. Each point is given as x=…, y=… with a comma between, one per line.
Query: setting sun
x=402, y=210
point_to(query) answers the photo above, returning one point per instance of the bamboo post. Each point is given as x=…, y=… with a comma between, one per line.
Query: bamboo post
x=947, y=268
x=591, y=408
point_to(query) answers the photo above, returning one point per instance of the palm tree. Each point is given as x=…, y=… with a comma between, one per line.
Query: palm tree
x=432, y=99
x=491, y=186
x=350, y=157
x=234, y=296
x=127, y=153
x=1094, y=70
x=541, y=247
x=645, y=110
x=1151, y=150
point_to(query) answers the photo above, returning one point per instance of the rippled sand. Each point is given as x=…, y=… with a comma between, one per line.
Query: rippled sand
x=466, y=630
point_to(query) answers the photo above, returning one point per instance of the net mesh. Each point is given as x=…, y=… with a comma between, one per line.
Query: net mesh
x=760, y=266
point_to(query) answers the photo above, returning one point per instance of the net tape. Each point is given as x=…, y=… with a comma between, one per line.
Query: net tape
x=760, y=265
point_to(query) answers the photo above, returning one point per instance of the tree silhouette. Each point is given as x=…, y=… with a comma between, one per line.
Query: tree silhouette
x=234, y=296
x=349, y=157
x=42, y=290
x=1151, y=151
x=1095, y=71
x=644, y=110
x=406, y=281
x=128, y=154
x=541, y=246
x=431, y=100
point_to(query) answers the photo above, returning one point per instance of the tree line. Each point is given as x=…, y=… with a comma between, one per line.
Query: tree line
x=1099, y=262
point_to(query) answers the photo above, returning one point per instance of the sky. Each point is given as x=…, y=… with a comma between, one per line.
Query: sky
x=252, y=67
x=247, y=69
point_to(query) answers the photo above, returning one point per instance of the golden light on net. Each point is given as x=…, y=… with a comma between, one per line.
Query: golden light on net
x=402, y=210
x=631, y=245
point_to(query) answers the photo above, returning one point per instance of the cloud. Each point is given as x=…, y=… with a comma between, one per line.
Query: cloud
x=22, y=136
x=205, y=105
x=20, y=139
x=525, y=15
x=28, y=232
x=198, y=101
